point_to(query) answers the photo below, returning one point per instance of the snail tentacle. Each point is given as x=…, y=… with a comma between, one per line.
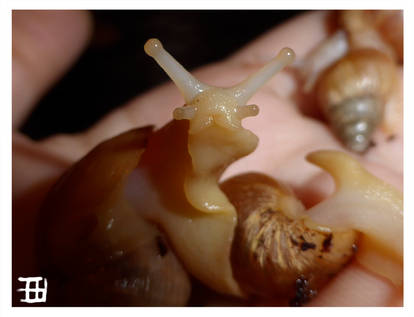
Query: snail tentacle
x=188, y=85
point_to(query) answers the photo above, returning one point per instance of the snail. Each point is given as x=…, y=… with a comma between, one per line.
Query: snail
x=141, y=185
x=352, y=94
x=353, y=74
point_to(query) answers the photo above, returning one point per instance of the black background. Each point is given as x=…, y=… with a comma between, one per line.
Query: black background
x=114, y=67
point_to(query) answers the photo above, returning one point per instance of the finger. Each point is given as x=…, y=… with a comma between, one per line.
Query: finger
x=33, y=172
x=32, y=165
x=45, y=43
x=355, y=286
x=302, y=34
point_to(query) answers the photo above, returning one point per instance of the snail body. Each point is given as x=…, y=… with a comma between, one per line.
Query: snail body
x=205, y=137
x=211, y=229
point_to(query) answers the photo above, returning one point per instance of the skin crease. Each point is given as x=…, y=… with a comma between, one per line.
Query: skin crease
x=37, y=164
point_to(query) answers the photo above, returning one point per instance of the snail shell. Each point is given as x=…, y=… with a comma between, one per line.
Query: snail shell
x=352, y=94
x=93, y=248
x=274, y=251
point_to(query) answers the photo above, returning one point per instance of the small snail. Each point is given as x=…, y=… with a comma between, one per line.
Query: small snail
x=353, y=74
x=352, y=94
x=104, y=213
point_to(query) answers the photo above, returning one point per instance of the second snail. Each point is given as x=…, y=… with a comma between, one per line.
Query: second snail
x=354, y=75
x=146, y=227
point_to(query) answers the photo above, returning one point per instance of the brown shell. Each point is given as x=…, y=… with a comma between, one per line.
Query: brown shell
x=93, y=248
x=274, y=256
x=352, y=93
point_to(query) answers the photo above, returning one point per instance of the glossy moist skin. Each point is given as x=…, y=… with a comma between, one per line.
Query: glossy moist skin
x=205, y=137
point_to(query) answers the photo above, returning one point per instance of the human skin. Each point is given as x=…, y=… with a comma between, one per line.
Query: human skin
x=46, y=44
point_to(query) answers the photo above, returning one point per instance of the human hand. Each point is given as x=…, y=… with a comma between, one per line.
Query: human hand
x=285, y=134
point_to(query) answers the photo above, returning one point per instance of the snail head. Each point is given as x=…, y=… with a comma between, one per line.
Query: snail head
x=207, y=105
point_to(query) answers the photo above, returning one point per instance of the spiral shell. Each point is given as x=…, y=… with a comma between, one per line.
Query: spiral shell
x=352, y=94
x=94, y=248
x=275, y=255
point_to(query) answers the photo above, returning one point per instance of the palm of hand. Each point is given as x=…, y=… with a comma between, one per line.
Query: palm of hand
x=285, y=134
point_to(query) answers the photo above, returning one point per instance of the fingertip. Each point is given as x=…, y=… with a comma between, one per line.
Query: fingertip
x=357, y=287
x=301, y=33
